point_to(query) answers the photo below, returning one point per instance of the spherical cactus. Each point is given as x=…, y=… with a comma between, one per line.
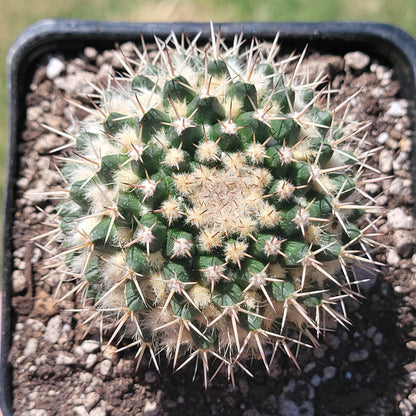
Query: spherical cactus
x=213, y=201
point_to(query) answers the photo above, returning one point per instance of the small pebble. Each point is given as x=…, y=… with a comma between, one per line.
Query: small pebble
x=90, y=361
x=309, y=367
x=318, y=352
x=357, y=356
x=307, y=408
x=332, y=341
x=54, y=68
x=80, y=411
x=411, y=345
x=110, y=352
x=105, y=368
x=288, y=407
x=19, y=284
x=400, y=160
x=31, y=347
x=385, y=161
x=150, y=377
x=371, y=331
x=329, y=372
x=53, y=329
x=98, y=411
x=316, y=380
x=412, y=376
x=393, y=258
x=397, y=186
x=150, y=408
x=396, y=109
x=64, y=359
x=383, y=137
x=406, y=408
x=78, y=351
x=357, y=60
x=399, y=220
x=378, y=339
x=85, y=378
x=35, y=412
x=90, y=53
x=90, y=346
x=91, y=400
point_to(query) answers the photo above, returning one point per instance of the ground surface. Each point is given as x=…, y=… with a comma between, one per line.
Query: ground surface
x=367, y=370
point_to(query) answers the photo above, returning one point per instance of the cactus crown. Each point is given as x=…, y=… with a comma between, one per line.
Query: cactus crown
x=212, y=203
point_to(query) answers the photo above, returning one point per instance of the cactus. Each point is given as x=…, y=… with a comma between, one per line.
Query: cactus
x=212, y=204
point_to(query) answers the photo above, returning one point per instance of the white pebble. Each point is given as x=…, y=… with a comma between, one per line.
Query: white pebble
x=411, y=345
x=80, y=411
x=393, y=258
x=396, y=109
x=53, y=329
x=54, y=68
x=357, y=60
x=90, y=346
x=98, y=411
x=91, y=400
x=65, y=359
x=385, y=161
x=105, y=368
x=412, y=377
x=35, y=412
x=90, y=361
x=399, y=220
x=31, y=347
x=150, y=408
x=78, y=351
x=406, y=408
x=383, y=137
x=18, y=282
x=400, y=160
x=90, y=53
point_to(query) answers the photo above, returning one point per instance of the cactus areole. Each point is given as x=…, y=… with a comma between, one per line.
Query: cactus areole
x=212, y=203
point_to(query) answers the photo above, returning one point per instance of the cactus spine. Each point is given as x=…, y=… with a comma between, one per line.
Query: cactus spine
x=212, y=205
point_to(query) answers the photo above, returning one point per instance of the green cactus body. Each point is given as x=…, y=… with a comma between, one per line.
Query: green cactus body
x=212, y=206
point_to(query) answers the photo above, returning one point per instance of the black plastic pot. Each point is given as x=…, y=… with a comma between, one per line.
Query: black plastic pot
x=386, y=43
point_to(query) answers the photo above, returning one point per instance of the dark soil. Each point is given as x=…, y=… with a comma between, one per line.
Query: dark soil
x=366, y=370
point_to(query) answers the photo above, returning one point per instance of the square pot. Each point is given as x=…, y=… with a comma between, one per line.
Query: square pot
x=383, y=43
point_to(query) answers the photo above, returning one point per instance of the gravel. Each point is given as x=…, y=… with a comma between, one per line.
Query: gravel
x=53, y=329
x=54, y=68
x=357, y=60
x=399, y=220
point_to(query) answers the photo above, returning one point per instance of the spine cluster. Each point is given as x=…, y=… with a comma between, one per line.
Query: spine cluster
x=212, y=204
